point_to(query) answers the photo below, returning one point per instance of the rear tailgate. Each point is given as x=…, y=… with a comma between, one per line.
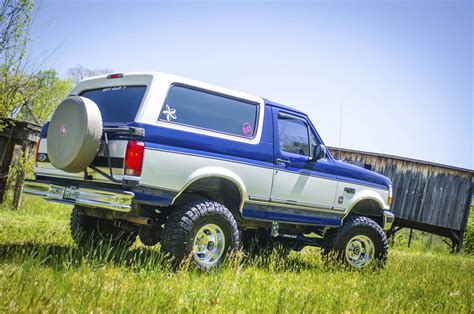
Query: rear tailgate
x=119, y=100
x=117, y=149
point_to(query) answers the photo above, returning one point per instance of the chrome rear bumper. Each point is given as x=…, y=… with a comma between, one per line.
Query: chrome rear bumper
x=114, y=200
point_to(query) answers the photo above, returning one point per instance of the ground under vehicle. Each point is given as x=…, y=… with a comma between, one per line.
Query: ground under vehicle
x=203, y=169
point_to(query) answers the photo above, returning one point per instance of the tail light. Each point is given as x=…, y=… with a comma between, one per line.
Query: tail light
x=134, y=158
x=115, y=76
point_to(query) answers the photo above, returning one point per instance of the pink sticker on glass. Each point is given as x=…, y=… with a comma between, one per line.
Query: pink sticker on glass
x=247, y=129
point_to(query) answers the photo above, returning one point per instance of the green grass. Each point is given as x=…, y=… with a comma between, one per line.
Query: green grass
x=42, y=271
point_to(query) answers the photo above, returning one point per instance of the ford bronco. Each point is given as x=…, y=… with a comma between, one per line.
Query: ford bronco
x=204, y=170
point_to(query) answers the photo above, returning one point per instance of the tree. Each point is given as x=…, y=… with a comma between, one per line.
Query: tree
x=49, y=90
x=80, y=72
x=15, y=84
x=25, y=93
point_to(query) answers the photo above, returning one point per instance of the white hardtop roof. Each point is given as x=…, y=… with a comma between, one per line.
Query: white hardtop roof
x=174, y=78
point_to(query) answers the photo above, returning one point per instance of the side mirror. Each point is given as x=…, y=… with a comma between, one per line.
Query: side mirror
x=319, y=152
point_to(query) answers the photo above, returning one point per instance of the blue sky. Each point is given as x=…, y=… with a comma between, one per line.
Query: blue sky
x=403, y=70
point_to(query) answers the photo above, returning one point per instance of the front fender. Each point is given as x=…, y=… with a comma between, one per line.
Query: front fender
x=367, y=195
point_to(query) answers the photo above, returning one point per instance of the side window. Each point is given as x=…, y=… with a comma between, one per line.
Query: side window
x=205, y=110
x=294, y=135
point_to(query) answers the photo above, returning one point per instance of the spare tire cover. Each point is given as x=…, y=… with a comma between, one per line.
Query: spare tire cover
x=74, y=134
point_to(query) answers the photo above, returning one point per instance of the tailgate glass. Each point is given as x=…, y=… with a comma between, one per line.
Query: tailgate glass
x=118, y=103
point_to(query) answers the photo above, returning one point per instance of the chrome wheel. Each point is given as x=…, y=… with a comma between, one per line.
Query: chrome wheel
x=360, y=251
x=209, y=244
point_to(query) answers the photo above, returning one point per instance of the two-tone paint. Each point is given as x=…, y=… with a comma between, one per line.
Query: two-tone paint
x=299, y=190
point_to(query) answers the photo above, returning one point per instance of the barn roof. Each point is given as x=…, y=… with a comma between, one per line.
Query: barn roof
x=423, y=162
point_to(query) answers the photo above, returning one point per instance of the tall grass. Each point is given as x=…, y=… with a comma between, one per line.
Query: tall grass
x=469, y=234
x=41, y=270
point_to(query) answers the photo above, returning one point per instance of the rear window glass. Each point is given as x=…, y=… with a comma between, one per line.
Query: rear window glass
x=118, y=103
x=209, y=111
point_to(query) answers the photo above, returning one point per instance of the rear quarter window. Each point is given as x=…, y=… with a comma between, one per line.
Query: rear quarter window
x=118, y=103
x=206, y=110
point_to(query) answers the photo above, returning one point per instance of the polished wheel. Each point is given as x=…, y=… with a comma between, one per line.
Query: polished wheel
x=360, y=251
x=204, y=231
x=209, y=244
x=360, y=242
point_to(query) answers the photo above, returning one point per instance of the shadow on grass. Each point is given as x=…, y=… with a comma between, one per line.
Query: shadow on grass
x=65, y=256
x=62, y=257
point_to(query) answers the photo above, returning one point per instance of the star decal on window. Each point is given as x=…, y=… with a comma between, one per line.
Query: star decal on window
x=170, y=113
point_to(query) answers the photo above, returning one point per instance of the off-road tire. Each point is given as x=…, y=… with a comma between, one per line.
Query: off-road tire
x=255, y=244
x=335, y=240
x=183, y=224
x=85, y=232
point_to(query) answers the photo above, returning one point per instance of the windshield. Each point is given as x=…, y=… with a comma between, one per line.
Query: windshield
x=118, y=103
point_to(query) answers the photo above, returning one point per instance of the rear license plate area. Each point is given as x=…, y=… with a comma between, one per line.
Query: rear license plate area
x=71, y=192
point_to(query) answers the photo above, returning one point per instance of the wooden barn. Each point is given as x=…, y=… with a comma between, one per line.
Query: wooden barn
x=429, y=197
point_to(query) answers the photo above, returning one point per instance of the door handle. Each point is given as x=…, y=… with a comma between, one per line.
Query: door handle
x=282, y=162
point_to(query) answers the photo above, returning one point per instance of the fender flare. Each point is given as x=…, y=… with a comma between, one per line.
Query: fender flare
x=366, y=195
x=215, y=172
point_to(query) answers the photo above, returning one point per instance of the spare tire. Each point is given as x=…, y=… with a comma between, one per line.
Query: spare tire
x=74, y=134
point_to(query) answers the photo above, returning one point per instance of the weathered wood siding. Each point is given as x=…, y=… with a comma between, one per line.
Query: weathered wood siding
x=15, y=137
x=424, y=192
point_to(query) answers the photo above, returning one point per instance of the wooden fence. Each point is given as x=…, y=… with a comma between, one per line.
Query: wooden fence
x=17, y=138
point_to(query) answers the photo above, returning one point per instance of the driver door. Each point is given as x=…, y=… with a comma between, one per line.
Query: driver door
x=299, y=182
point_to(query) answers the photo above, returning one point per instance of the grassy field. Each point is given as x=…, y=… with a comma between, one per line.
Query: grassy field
x=41, y=270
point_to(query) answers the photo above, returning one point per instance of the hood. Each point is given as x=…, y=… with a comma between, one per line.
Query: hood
x=348, y=171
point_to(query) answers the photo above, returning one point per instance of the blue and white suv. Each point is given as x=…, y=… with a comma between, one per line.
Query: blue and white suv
x=204, y=170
